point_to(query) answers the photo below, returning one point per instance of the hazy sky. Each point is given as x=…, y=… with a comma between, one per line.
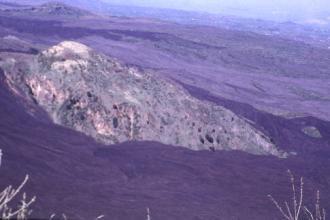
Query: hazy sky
x=306, y=9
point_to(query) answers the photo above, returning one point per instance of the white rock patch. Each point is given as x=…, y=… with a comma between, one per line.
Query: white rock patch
x=68, y=47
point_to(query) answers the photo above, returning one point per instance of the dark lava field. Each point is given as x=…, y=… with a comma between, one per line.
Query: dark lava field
x=279, y=86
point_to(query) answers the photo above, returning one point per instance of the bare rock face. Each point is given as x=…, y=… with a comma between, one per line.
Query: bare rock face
x=312, y=132
x=98, y=96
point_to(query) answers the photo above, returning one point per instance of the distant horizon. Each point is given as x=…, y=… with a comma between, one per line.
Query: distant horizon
x=313, y=11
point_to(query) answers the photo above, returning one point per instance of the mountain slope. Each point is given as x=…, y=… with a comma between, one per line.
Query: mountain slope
x=277, y=75
x=72, y=174
x=48, y=9
x=95, y=94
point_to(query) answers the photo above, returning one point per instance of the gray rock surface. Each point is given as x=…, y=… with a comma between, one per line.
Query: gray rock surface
x=312, y=131
x=100, y=97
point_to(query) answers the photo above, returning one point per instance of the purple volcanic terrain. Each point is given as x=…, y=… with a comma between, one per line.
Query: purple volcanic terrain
x=70, y=173
x=270, y=81
x=277, y=75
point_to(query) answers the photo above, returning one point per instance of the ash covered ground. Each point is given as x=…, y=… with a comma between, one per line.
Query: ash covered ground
x=277, y=88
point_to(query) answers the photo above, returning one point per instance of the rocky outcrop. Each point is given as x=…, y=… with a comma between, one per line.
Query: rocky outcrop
x=60, y=9
x=312, y=131
x=100, y=97
x=50, y=9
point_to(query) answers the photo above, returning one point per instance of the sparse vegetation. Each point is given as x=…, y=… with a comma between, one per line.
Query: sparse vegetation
x=296, y=209
x=148, y=214
x=23, y=210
